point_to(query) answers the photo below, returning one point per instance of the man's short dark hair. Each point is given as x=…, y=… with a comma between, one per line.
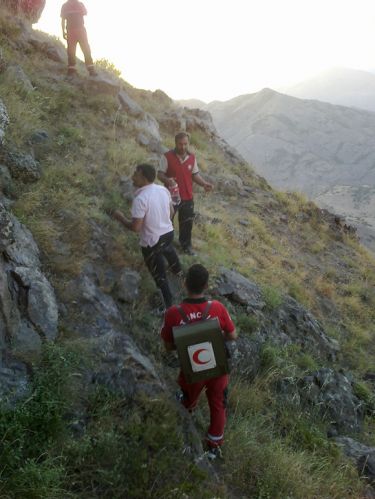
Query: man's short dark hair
x=196, y=279
x=181, y=135
x=148, y=171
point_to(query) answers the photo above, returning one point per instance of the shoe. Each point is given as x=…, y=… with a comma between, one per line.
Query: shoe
x=179, y=396
x=158, y=311
x=214, y=453
x=189, y=251
x=71, y=72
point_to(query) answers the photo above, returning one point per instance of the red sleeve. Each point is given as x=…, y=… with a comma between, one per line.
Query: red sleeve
x=225, y=319
x=170, y=320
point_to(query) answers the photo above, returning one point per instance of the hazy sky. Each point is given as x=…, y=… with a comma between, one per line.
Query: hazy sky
x=218, y=49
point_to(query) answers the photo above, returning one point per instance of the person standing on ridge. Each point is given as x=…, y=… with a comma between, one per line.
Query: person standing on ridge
x=194, y=306
x=151, y=216
x=74, y=31
x=179, y=165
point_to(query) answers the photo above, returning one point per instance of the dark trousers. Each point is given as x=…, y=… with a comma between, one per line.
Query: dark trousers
x=154, y=259
x=185, y=222
x=78, y=36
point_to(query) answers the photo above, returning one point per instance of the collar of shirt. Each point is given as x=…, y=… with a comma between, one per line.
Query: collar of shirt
x=182, y=159
x=203, y=299
x=140, y=189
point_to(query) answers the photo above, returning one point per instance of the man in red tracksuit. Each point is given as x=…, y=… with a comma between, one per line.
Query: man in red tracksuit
x=73, y=28
x=180, y=165
x=194, y=306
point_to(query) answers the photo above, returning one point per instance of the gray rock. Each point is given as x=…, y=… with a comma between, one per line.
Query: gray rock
x=14, y=383
x=231, y=185
x=352, y=448
x=26, y=340
x=239, y=289
x=54, y=52
x=6, y=228
x=6, y=184
x=16, y=76
x=123, y=368
x=363, y=455
x=21, y=249
x=41, y=305
x=97, y=312
x=104, y=85
x=22, y=166
x=129, y=105
x=148, y=125
x=127, y=286
x=288, y=323
x=4, y=121
x=332, y=393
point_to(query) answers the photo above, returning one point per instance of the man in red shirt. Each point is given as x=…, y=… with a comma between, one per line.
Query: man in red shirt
x=180, y=165
x=194, y=306
x=73, y=28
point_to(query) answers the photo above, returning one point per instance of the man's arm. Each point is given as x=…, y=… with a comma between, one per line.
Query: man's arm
x=169, y=347
x=167, y=181
x=135, y=224
x=230, y=336
x=200, y=181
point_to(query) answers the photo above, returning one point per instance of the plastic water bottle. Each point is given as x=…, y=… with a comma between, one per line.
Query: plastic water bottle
x=175, y=193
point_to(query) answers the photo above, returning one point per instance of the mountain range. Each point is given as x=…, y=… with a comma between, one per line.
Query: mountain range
x=325, y=151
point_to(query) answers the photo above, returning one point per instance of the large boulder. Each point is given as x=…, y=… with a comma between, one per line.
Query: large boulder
x=29, y=9
x=287, y=323
x=331, y=393
x=362, y=455
x=22, y=166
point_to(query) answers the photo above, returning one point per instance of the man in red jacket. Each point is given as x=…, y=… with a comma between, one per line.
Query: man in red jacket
x=194, y=306
x=180, y=165
x=73, y=28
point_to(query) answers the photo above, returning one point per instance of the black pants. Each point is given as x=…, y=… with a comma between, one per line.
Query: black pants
x=154, y=259
x=185, y=222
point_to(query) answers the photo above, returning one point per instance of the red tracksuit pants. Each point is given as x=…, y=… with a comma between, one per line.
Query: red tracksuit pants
x=75, y=36
x=216, y=393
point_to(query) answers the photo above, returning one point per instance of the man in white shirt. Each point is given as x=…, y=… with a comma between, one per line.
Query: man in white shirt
x=151, y=213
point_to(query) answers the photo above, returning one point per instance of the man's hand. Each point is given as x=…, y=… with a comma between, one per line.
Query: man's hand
x=117, y=215
x=65, y=35
x=208, y=187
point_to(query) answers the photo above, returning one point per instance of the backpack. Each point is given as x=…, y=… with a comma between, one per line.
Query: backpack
x=200, y=347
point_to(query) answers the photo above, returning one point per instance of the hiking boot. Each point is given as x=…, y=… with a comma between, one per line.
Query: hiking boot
x=92, y=71
x=189, y=251
x=214, y=453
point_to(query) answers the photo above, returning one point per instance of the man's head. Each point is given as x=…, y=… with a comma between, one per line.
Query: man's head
x=196, y=280
x=144, y=174
x=181, y=141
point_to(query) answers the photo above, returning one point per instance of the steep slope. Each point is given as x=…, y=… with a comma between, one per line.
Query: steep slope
x=307, y=146
x=342, y=86
x=98, y=418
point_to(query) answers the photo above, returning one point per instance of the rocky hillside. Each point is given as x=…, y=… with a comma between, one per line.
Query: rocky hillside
x=87, y=406
x=309, y=146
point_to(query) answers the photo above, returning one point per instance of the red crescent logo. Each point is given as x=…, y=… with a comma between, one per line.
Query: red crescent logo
x=196, y=357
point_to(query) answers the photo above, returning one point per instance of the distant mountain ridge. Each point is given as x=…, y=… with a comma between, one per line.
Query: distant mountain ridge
x=342, y=86
x=304, y=145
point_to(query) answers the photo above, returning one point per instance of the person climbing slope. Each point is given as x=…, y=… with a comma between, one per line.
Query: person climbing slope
x=194, y=307
x=74, y=31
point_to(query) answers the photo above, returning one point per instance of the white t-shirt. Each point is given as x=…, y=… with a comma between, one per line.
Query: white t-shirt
x=152, y=203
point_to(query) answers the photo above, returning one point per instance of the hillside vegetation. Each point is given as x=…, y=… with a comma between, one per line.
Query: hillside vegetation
x=75, y=438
